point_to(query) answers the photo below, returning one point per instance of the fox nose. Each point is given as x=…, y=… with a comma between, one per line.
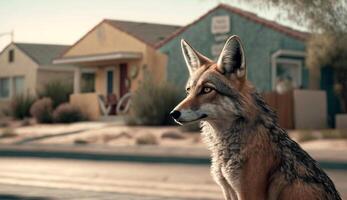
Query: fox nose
x=175, y=114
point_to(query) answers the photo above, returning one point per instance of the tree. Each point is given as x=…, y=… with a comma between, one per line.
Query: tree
x=327, y=46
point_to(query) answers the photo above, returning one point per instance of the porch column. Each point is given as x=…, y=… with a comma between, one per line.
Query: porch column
x=77, y=81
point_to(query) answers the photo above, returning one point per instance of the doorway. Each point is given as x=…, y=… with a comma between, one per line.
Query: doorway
x=109, y=81
x=123, y=85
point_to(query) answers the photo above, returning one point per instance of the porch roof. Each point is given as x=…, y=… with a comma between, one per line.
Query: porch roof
x=98, y=57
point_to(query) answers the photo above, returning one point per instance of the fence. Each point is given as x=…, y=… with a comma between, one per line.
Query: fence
x=283, y=104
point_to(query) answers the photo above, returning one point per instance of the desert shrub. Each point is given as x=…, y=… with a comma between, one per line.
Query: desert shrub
x=67, y=113
x=305, y=136
x=146, y=139
x=173, y=135
x=42, y=110
x=20, y=106
x=80, y=141
x=152, y=103
x=58, y=91
x=7, y=133
x=334, y=134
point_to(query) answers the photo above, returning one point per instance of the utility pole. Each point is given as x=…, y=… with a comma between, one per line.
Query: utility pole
x=11, y=34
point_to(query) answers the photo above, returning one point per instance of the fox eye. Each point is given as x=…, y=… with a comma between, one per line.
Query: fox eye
x=187, y=90
x=206, y=90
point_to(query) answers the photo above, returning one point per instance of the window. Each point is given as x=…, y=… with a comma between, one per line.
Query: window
x=288, y=74
x=18, y=85
x=4, y=87
x=11, y=56
x=88, y=82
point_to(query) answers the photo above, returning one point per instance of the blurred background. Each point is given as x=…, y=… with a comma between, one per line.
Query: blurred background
x=86, y=88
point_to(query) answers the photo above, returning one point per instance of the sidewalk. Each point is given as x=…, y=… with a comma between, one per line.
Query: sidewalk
x=328, y=159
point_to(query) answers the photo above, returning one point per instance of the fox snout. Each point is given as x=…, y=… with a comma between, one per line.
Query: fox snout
x=184, y=113
x=186, y=116
x=175, y=114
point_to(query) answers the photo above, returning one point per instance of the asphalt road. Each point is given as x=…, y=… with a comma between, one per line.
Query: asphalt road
x=46, y=179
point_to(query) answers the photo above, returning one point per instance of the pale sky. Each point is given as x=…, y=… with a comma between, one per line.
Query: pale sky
x=65, y=21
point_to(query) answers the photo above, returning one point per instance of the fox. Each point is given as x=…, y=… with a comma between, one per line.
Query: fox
x=252, y=157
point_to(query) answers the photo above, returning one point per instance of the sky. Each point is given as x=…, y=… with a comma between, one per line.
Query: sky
x=65, y=21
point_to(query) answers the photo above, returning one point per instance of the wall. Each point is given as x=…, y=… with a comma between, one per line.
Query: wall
x=45, y=76
x=260, y=43
x=310, y=114
x=22, y=66
x=88, y=103
x=105, y=39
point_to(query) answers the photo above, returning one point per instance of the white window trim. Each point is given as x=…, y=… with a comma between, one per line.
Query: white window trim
x=87, y=71
x=286, y=61
x=275, y=57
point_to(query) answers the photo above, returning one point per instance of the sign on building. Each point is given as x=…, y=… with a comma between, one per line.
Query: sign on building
x=220, y=24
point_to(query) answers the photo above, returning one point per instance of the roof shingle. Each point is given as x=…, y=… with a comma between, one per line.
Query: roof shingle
x=149, y=33
x=300, y=35
x=42, y=54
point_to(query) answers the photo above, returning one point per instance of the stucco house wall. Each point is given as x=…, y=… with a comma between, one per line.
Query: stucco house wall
x=105, y=38
x=32, y=62
x=21, y=66
x=45, y=76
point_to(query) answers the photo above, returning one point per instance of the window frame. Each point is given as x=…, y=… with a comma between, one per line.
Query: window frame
x=9, y=88
x=13, y=85
x=11, y=56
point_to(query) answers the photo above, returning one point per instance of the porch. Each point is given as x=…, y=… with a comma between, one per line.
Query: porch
x=100, y=81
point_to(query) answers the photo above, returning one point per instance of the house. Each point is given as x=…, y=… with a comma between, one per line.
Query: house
x=273, y=52
x=275, y=58
x=111, y=60
x=25, y=68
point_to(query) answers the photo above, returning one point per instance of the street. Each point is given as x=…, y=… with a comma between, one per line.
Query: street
x=43, y=179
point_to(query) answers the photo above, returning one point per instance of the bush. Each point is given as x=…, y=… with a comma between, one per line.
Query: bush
x=42, y=110
x=67, y=113
x=146, y=139
x=20, y=106
x=8, y=133
x=59, y=92
x=152, y=103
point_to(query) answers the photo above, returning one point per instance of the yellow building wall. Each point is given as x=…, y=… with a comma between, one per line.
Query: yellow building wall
x=21, y=66
x=88, y=103
x=45, y=76
x=105, y=39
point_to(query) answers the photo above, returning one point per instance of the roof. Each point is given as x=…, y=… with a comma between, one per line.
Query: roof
x=149, y=33
x=98, y=57
x=42, y=54
x=248, y=15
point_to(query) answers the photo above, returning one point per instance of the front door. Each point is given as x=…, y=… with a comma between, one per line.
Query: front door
x=109, y=81
x=123, y=88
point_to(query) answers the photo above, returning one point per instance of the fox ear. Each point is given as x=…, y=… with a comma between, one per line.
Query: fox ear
x=193, y=58
x=232, y=58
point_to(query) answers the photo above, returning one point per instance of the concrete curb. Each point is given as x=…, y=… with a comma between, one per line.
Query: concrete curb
x=143, y=154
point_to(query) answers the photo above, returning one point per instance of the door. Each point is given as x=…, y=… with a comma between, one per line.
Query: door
x=123, y=87
x=109, y=81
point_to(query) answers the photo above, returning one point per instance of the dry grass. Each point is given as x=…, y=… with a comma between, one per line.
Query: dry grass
x=8, y=133
x=173, y=135
x=308, y=135
x=146, y=139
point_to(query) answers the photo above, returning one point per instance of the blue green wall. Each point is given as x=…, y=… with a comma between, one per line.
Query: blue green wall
x=260, y=43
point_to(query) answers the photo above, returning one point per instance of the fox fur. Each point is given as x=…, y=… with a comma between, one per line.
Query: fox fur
x=252, y=156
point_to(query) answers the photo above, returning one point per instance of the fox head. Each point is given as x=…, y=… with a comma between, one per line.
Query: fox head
x=215, y=90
